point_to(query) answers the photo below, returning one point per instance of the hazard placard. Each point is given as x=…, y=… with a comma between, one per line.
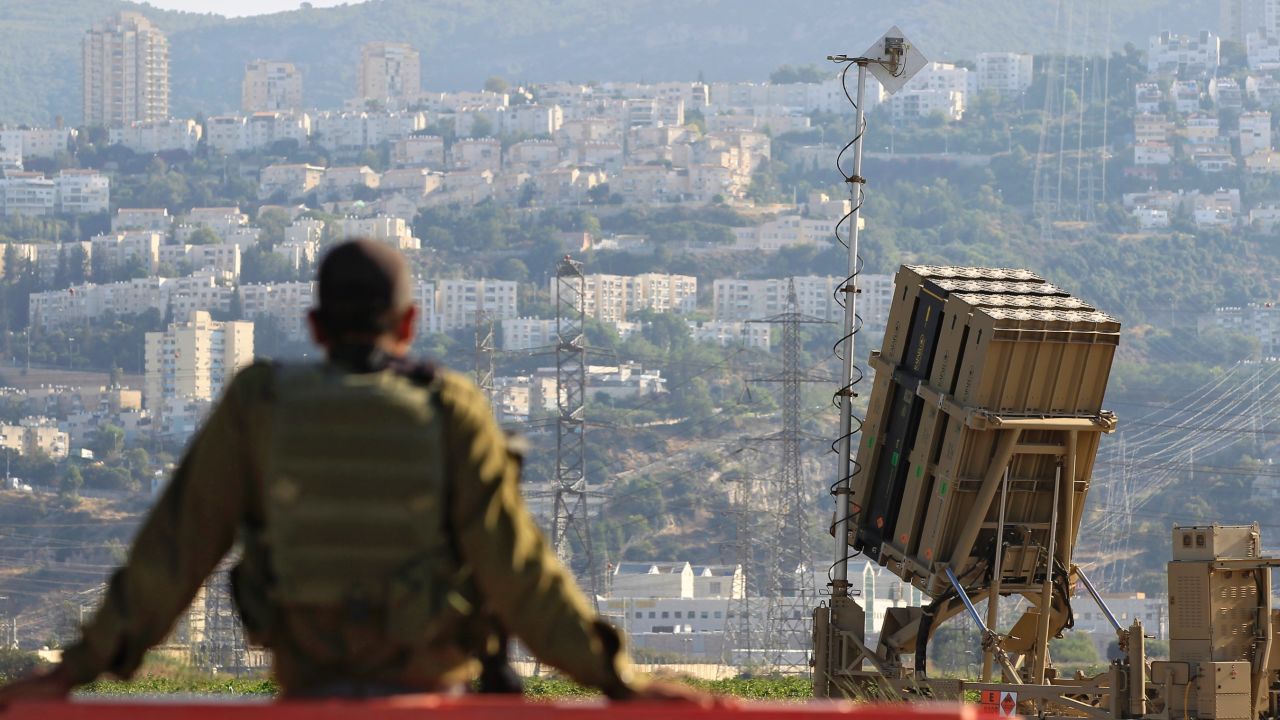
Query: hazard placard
x=1003, y=703
x=1008, y=704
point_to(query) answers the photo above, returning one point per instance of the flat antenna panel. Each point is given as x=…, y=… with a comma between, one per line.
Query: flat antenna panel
x=895, y=60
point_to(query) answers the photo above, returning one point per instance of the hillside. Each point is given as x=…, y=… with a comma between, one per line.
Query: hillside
x=462, y=43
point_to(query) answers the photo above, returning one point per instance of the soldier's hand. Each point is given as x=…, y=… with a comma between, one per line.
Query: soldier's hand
x=672, y=692
x=54, y=684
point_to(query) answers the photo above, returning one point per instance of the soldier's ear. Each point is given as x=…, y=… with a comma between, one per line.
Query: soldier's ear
x=318, y=335
x=407, y=324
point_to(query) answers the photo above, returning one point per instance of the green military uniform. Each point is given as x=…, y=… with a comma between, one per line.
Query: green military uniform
x=477, y=548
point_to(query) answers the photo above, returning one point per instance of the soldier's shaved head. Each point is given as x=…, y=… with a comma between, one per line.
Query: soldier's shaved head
x=364, y=288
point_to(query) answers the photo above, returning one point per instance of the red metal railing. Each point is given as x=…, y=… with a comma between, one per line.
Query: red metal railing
x=443, y=708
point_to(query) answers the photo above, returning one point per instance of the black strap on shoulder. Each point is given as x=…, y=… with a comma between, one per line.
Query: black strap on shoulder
x=421, y=372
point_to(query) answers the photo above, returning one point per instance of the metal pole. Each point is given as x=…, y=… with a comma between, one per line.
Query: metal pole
x=1046, y=592
x=993, y=600
x=840, y=576
x=1102, y=605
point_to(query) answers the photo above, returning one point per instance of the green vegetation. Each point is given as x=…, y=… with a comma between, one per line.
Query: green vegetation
x=540, y=688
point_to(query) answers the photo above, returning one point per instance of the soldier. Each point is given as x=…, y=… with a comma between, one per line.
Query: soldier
x=378, y=507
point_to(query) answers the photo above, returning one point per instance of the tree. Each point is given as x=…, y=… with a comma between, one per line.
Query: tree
x=106, y=441
x=790, y=74
x=71, y=483
x=203, y=236
x=480, y=126
x=16, y=664
x=1074, y=649
x=273, y=222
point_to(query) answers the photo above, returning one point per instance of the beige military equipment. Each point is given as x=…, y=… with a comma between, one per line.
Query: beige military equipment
x=974, y=466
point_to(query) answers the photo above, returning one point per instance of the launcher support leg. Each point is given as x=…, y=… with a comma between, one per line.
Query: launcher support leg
x=1041, y=657
x=993, y=599
x=990, y=641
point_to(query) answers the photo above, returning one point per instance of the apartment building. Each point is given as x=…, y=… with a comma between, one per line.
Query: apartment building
x=147, y=219
x=394, y=231
x=528, y=333
x=285, y=303
x=388, y=72
x=737, y=299
x=1261, y=322
x=20, y=144
x=419, y=151
x=35, y=435
x=71, y=191
x=291, y=181
x=1255, y=133
x=125, y=72
x=207, y=289
x=732, y=333
x=229, y=134
x=223, y=259
x=612, y=298
x=132, y=248
x=1004, y=73
x=454, y=303
x=194, y=358
x=154, y=136
x=271, y=86
x=1172, y=54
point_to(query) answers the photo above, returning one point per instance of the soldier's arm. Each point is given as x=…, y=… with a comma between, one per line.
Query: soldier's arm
x=182, y=539
x=519, y=577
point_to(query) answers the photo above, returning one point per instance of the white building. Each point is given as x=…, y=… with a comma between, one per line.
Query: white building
x=158, y=136
x=1147, y=97
x=732, y=333
x=1004, y=73
x=271, y=86
x=228, y=134
x=1255, y=133
x=147, y=219
x=72, y=191
x=1169, y=53
x=419, y=151
x=394, y=231
x=1261, y=322
x=528, y=333
x=124, y=71
x=453, y=304
x=82, y=191
x=285, y=303
x=736, y=299
x=359, y=130
x=21, y=144
x=612, y=298
x=194, y=359
x=388, y=73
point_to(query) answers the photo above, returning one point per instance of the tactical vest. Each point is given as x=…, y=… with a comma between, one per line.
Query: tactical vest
x=356, y=502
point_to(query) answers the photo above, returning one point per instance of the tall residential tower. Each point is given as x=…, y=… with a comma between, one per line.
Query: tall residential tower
x=388, y=71
x=271, y=87
x=126, y=71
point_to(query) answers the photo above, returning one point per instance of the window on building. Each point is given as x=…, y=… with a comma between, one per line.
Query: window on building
x=714, y=587
x=677, y=614
x=718, y=615
x=639, y=615
x=665, y=614
x=705, y=614
x=652, y=614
